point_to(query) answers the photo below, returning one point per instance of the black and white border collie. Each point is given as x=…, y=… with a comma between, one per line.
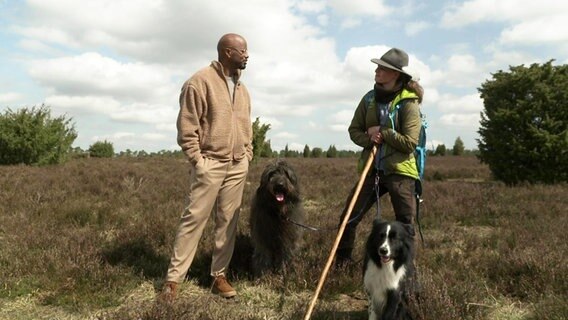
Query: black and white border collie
x=388, y=270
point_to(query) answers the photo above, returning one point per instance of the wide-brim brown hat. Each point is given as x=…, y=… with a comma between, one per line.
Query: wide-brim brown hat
x=394, y=59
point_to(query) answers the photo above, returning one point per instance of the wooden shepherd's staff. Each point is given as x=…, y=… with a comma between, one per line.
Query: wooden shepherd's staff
x=341, y=230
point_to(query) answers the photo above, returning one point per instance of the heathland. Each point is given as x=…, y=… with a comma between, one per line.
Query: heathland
x=91, y=239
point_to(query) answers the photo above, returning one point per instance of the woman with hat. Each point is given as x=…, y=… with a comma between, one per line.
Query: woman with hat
x=377, y=121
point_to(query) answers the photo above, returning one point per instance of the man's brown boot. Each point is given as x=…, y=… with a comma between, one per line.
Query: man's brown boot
x=169, y=292
x=222, y=287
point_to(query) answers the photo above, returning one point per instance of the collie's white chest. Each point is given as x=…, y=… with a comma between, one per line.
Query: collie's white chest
x=378, y=281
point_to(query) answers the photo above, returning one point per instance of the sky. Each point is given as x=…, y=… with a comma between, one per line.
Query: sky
x=116, y=67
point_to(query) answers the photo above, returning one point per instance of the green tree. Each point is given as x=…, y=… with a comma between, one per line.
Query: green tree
x=287, y=153
x=458, y=148
x=306, y=152
x=266, y=150
x=259, y=143
x=316, y=152
x=102, y=149
x=331, y=152
x=346, y=154
x=524, y=125
x=440, y=150
x=34, y=137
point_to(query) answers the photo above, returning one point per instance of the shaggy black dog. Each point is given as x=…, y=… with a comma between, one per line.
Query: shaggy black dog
x=275, y=206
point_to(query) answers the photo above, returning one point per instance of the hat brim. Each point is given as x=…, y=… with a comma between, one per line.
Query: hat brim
x=388, y=65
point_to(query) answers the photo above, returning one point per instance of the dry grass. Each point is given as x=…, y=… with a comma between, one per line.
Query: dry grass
x=91, y=240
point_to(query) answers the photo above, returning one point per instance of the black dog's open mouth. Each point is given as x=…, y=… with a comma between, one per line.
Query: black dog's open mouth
x=279, y=194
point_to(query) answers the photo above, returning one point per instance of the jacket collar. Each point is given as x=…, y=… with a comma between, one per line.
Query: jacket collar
x=219, y=68
x=404, y=94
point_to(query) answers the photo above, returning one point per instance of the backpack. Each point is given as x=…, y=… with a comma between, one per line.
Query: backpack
x=420, y=151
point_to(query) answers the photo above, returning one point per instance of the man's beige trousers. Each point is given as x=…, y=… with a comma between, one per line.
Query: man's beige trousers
x=214, y=185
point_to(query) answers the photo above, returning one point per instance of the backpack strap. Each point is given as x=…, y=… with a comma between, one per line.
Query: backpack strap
x=393, y=116
x=369, y=98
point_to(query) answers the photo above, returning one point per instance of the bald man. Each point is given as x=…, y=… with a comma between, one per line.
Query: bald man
x=215, y=133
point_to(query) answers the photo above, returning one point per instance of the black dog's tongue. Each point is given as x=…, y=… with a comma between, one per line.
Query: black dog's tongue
x=279, y=197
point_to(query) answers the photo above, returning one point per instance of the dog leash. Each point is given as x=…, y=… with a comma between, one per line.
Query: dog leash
x=418, y=202
x=301, y=225
x=327, y=229
x=377, y=180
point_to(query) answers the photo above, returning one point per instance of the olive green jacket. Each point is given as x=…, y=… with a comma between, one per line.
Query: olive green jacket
x=399, y=144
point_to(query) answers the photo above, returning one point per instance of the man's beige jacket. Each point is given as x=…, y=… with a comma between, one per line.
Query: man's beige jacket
x=209, y=124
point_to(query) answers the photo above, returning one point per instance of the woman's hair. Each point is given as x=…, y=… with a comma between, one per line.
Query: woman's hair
x=405, y=81
x=415, y=87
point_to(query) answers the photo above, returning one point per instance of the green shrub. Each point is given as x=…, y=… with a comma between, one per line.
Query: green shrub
x=101, y=149
x=440, y=150
x=317, y=152
x=33, y=137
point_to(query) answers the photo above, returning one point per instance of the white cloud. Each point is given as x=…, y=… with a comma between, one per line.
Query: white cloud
x=44, y=35
x=431, y=96
x=414, y=28
x=339, y=127
x=464, y=64
x=350, y=23
x=361, y=7
x=314, y=125
x=502, y=59
x=122, y=135
x=323, y=20
x=462, y=70
x=476, y=11
x=9, y=97
x=84, y=105
x=339, y=121
x=532, y=22
x=166, y=127
x=285, y=135
x=154, y=30
x=145, y=113
x=343, y=116
x=114, y=109
x=358, y=62
x=462, y=14
x=91, y=73
x=461, y=120
x=155, y=136
x=352, y=12
x=549, y=30
x=311, y=6
x=37, y=46
x=462, y=104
